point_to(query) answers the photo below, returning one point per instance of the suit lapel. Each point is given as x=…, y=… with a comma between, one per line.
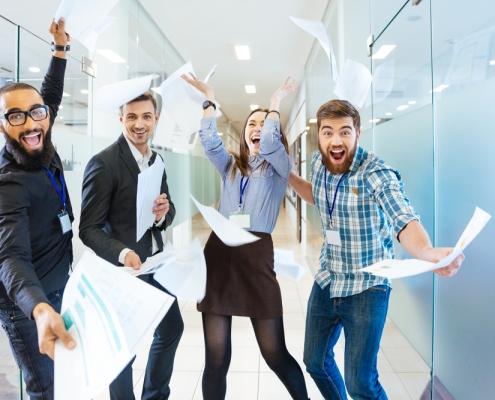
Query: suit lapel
x=128, y=158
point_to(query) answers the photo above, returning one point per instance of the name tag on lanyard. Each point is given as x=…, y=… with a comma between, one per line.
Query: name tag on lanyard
x=63, y=217
x=332, y=236
x=241, y=220
x=65, y=223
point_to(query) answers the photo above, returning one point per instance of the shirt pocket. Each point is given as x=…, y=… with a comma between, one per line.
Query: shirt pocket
x=261, y=181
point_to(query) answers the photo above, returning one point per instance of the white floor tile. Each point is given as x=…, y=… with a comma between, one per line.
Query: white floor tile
x=392, y=337
x=190, y=359
x=245, y=359
x=405, y=360
x=393, y=387
x=415, y=383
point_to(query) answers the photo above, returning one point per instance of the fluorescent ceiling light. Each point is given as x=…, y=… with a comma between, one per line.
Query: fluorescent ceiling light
x=492, y=62
x=402, y=107
x=383, y=52
x=250, y=89
x=388, y=114
x=220, y=134
x=375, y=120
x=242, y=52
x=312, y=120
x=66, y=95
x=110, y=55
x=411, y=102
x=34, y=69
x=440, y=88
x=307, y=128
x=253, y=107
x=84, y=91
x=156, y=90
x=61, y=117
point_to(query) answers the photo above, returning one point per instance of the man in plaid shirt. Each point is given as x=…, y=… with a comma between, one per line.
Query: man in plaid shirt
x=361, y=202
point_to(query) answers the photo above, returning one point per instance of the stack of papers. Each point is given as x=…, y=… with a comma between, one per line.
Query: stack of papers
x=114, y=95
x=108, y=313
x=403, y=268
x=285, y=264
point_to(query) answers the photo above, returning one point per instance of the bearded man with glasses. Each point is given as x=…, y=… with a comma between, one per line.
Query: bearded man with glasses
x=35, y=223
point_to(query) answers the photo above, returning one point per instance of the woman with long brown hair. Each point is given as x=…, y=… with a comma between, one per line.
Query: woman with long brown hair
x=241, y=280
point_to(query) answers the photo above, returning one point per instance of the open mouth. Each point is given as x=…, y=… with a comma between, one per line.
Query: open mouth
x=255, y=139
x=337, y=156
x=140, y=133
x=33, y=140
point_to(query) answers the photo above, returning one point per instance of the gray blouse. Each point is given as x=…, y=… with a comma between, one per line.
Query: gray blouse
x=265, y=189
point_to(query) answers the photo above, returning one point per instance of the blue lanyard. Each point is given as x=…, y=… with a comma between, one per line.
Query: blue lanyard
x=60, y=193
x=330, y=210
x=242, y=188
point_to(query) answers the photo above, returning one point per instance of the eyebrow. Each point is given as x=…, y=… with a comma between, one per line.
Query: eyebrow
x=329, y=127
x=18, y=109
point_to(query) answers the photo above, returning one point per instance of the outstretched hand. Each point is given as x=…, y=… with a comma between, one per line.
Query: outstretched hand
x=59, y=36
x=287, y=88
x=200, y=85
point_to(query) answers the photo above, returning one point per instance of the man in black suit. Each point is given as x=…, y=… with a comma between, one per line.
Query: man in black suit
x=108, y=227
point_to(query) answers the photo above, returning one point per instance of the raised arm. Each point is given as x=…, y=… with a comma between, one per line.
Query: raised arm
x=213, y=145
x=302, y=187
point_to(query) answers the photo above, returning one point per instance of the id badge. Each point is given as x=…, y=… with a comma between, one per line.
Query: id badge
x=333, y=237
x=241, y=220
x=65, y=222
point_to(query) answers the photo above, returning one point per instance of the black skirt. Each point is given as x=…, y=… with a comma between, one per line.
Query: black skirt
x=240, y=280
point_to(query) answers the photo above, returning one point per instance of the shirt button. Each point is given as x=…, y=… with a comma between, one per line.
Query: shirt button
x=150, y=249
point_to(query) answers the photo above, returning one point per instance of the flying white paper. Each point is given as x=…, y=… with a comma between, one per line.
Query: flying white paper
x=184, y=275
x=80, y=15
x=227, y=232
x=111, y=97
x=402, y=268
x=317, y=29
x=90, y=36
x=354, y=83
x=182, y=101
x=210, y=74
x=285, y=264
x=108, y=313
x=153, y=263
x=149, y=185
x=168, y=134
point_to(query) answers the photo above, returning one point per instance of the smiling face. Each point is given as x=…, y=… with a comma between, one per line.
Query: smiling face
x=139, y=120
x=252, y=133
x=337, y=141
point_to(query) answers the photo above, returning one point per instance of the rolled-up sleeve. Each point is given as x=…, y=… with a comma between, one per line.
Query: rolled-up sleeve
x=272, y=148
x=387, y=188
x=213, y=145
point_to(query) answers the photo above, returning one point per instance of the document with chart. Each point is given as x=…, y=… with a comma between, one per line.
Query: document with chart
x=403, y=268
x=108, y=313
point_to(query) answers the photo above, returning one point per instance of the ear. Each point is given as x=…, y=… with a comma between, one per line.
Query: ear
x=156, y=118
x=358, y=135
x=121, y=117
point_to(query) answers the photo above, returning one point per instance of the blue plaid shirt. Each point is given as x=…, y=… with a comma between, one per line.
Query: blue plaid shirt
x=370, y=204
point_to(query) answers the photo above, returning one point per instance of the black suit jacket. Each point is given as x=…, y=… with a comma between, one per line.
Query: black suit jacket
x=108, y=212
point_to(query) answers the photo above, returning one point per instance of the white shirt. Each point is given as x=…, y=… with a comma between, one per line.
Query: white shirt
x=142, y=162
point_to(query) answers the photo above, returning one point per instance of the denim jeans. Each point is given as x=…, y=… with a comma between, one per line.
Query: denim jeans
x=160, y=360
x=37, y=368
x=362, y=317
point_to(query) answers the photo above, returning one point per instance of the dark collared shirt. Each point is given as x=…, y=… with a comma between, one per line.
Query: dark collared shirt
x=34, y=253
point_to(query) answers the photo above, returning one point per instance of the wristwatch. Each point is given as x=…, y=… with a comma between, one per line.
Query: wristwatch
x=56, y=47
x=209, y=103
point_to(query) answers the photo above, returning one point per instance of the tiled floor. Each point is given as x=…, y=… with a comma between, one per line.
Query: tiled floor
x=402, y=372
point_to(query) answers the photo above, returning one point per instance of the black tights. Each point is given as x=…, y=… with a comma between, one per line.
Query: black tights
x=270, y=337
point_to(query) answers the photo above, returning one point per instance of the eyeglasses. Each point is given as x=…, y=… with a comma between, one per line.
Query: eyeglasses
x=17, y=118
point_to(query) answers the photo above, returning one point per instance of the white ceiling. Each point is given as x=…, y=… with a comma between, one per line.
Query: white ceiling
x=205, y=32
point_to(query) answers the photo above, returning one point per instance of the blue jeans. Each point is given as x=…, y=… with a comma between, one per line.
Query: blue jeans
x=37, y=368
x=160, y=360
x=362, y=317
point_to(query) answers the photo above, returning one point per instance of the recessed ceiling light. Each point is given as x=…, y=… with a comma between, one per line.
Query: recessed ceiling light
x=61, y=117
x=253, y=107
x=375, y=120
x=383, y=52
x=312, y=120
x=307, y=128
x=439, y=88
x=492, y=62
x=388, y=114
x=411, y=102
x=34, y=69
x=66, y=95
x=60, y=107
x=402, y=107
x=111, y=55
x=250, y=89
x=84, y=91
x=242, y=52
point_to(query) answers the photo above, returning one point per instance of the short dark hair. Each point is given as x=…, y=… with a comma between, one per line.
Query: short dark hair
x=144, y=97
x=338, y=109
x=11, y=87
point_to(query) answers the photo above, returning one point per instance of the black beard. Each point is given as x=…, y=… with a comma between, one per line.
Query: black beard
x=36, y=159
x=337, y=169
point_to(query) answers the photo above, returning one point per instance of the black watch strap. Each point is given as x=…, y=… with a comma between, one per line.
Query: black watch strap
x=209, y=103
x=56, y=47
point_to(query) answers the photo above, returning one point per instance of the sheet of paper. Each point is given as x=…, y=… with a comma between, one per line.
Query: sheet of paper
x=403, y=268
x=185, y=274
x=111, y=97
x=285, y=264
x=90, y=36
x=154, y=263
x=149, y=185
x=317, y=29
x=108, y=313
x=182, y=101
x=210, y=74
x=168, y=134
x=227, y=232
x=354, y=83
x=81, y=14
